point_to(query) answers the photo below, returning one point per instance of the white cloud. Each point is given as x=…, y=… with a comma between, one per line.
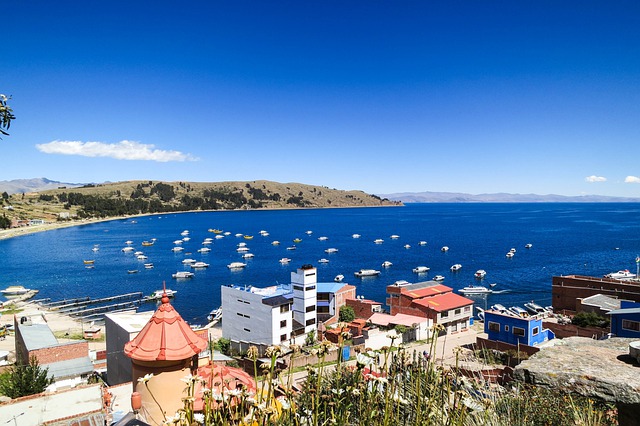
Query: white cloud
x=594, y=178
x=632, y=179
x=123, y=150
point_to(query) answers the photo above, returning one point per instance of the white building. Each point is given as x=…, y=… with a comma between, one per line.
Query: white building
x=121, y=328
x=270, y=315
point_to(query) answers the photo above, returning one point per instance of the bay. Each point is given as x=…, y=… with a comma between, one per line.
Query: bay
x=567, y=238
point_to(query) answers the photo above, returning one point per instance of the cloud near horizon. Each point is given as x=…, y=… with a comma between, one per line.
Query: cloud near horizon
x=123, y=150
x=594, y=178
x=632, y=179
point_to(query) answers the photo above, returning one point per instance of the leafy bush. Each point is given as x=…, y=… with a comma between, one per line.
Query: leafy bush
x=589, y=319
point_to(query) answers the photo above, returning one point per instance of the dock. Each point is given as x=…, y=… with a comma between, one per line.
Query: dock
x=68, y=306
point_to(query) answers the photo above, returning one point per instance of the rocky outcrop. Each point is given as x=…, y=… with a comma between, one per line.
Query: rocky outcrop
x=601, y=369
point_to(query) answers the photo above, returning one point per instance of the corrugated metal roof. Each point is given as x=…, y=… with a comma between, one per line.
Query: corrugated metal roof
x=37, y=336
x=69, y=368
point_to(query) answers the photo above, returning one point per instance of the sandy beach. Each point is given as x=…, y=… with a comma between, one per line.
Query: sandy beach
x=32, y=229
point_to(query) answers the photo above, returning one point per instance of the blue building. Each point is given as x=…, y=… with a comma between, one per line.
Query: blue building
x=515, y=330
x=625, y=322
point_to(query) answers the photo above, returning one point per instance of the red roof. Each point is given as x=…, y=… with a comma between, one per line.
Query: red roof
x=444, y=302
x=166, y=337
x=426, y=291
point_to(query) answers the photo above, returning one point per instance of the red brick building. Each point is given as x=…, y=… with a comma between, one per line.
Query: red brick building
x=431, y=300
x=567, y=289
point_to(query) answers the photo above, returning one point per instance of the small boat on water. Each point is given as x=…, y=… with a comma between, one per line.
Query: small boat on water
x=331, y=250
x=138, y=253
x=239, y=235
x=378, y=241
x=323, y=260
x=15, y=290
x=157, y=295
x=236, y=265
x=366, y=273
x=456, y=267
x=422, y=243
x=475, y=289
x=188, y=261
x=275, y=243
x=184, y=233
x=438, y=278
x=509, y=255
x=95, y=249
x=512, y=250
x=141, y=257
x=88, y=262
x=534, y=308
x=480, y=274
x=444, y=249
x=129, y=242
x=216, y=231
x=215, y=315
x=248, y=255
x=291, y=248
x=177, y=249
x=355, y=236
x=284, y=260
x=407, y=246
x=528, y=245
x=501, y=309
x=148, y=265
x=147, y=243
x=386, y=264
x=199, y=265
x=394, y=237
x=323, y=238
x=623, y=274
x=242, y=249
x=309, y=232
x=243, y=244
x=519, y=312
x=204, y=250
x=248, y=237
x=132, y=271
x=421, y=269
x=127, y=249
x=339, y=278
x=182, y=274
x=178, y=242
x=297, y=240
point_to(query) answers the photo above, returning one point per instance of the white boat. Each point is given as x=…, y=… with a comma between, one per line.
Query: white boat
x=480, y=313
x=208, y=239
x=355, y=236
x=331, y=250
x=366, y=273
x=236, y=265
x=178, y=242
x=184, y=233
x=422, y=243
x=509, y=255
x=188, y=261
x=15, y=290
x=227, y=233
x=323, y=238
x=242, y=244
x=401, y=283
x=323, y=260
x=138, y=253
x=528, y=245
x=129, y=242
x=215, y=315
x=480, y=273
x=519, y=312
x=386, y=264
x=148, y=265
x=444, y=248
x=206, y=242
x=204, y=250
x=247, y=255
x=183, y=274
x=142, y=257
x=394, y=237
x=309, y=232
x=239, y=235
x=407, y=246
x=378, y=241
x=199, y=265
x=242, y=249
x=95, y=249
x=219, y=237
x=264, y=234
x=185, y=239
x=275, y=243
x=475, y=289
x=284, y=260
x=438, y=278
x=339, y=278
x=421, y=269
x=512, y=250
x=501, y=309
x=456, y=267
x=127, y=249
x=291, y=248
x=623, y=274
x=534, y=308
x=157, y=295
x=177, y=248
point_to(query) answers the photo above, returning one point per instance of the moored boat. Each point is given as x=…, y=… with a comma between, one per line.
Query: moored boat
x=456, y=267
x=331, y=250
x=623, y=274
x=480, y=273
x=323, y=260
x=15, y=290
x=534, y=308
x=386, y=264
x=444, y=248
x=339, y=278
x=182, y=274
x=438, y=278
x=236, y=265
x=158, y=294
x=215, y=315
x=421, y=269
x=284, y=260
x=199, y=265
x=148, y=265
x=366, y=273
x=88, y=262
x=475, y=289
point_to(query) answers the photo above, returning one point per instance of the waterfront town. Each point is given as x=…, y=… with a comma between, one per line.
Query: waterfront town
x=132, y=367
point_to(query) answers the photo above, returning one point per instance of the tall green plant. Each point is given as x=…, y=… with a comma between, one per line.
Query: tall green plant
x=25, y=379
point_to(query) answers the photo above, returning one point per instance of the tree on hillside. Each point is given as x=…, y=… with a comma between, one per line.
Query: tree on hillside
x=6, y=115
x=23, y=380
x=347, y=314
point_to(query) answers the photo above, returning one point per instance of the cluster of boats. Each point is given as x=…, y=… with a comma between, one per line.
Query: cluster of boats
x=530, y=309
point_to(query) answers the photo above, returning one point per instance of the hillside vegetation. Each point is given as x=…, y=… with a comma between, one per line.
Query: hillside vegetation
x=144, y=197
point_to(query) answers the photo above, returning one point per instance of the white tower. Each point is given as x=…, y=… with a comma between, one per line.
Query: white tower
x=304, y=283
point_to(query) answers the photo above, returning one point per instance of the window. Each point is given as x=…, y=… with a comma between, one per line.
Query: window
x=323, y=309
x=444, y=314
x=463, y=326
x=242, y=315
x=494, y=326
x=506, y=328
x=298, y=287
x=283, y=323
x=457, y=312
x=535, y=331
x=311, y=287
x=518, y=331
x=630, y=325
x=284, y=308
x=243, y=301
x=311, y=308
x=283, y=337
x=247, y=330
x=323, y=296
x=467, y=308
x=311, y=321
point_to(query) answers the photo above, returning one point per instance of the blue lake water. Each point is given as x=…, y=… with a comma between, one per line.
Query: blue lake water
x=589, y=239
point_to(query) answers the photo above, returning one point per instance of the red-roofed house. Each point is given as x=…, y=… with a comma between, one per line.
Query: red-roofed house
x=431, y=300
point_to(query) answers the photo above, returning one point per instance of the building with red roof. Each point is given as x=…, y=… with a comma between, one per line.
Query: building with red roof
x=432, y=300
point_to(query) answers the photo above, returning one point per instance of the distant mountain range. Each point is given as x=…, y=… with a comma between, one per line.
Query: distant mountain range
x=459, y=197
x=20, y=186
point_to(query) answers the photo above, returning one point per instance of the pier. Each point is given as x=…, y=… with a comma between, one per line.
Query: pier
x=71, y=305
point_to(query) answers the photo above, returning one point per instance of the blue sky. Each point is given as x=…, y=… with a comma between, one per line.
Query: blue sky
x=385, y=96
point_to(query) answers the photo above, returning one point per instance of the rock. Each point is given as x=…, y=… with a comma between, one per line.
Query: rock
x=600, y=369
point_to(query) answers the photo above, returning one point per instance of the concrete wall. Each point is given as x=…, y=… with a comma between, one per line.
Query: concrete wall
x=566, y=290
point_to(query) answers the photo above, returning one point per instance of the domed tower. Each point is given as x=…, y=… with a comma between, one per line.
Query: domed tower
x=167, y=348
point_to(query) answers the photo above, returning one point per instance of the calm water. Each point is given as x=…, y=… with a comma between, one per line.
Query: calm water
x=590, y=239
